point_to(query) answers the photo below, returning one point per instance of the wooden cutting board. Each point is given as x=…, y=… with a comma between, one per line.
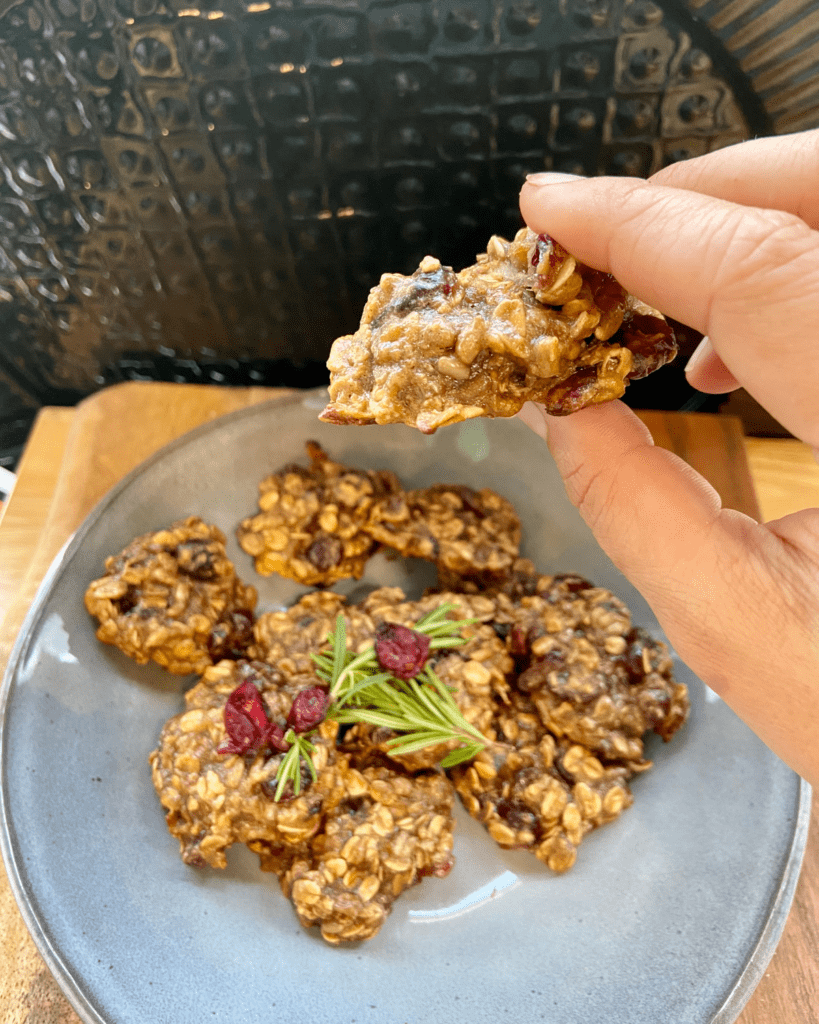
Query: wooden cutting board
x=75, y=456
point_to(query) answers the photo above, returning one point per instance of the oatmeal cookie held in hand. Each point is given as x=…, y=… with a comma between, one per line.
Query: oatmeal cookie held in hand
x=173, y=597
x=527, y=322
x=311, y=524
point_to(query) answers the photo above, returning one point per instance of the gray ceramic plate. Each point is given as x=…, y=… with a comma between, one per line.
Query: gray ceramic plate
x=670, y=914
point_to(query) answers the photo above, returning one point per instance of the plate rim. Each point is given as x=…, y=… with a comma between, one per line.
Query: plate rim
x=758, y=956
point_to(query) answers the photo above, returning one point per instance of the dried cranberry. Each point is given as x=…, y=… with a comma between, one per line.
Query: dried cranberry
x=247, y=724
x=440, y=870
x=651, y=340
x=275, y=738
x=308, y=709
x=550, y=252
x=400, y=650
x=572, y=393
x=332, y=415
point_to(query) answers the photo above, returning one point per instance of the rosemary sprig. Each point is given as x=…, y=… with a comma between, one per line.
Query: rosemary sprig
x=421, y=710
x=301, y=749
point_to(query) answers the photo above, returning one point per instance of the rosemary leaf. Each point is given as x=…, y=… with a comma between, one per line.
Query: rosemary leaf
x=289, y=769
x=360, y=687
x=339, y=646
x=413, y=741
x=437, y=642
x=461, y=754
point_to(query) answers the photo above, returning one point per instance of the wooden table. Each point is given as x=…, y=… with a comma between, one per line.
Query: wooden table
x=75, y=455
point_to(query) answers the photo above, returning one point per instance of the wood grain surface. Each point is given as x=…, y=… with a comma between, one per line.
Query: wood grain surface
x=75, y=456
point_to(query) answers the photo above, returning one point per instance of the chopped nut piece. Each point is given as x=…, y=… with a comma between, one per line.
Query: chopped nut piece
x=310, y=524
x=526, y=322
x=174, y=597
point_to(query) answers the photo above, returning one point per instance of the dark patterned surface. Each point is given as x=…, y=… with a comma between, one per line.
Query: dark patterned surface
x=208, y=193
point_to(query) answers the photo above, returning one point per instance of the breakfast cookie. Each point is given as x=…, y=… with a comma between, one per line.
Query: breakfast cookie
x=535, y=792
x=469, y=534
x=216, y=776
x=390, y=831
x=526, y=322
x=310, y=527
x=173, y=597
x=593, y=678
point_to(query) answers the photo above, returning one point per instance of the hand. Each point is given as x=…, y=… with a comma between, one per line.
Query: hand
x=728, y=244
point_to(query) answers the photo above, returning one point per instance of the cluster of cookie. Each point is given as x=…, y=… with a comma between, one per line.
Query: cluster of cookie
x=552, y=673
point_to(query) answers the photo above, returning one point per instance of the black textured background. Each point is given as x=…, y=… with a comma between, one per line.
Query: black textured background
x=206, y=193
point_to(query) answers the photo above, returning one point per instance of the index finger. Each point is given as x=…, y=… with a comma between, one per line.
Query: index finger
x=779, y=172
x=746, y=277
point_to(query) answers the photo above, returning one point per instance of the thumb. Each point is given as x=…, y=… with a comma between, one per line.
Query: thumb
x=728, y=592
x=658, y=520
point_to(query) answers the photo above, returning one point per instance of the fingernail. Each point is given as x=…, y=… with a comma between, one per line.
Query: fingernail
x=533, y=417
x=550, y=178
x=701, y=352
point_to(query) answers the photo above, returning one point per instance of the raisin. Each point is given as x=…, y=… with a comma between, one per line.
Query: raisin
x=471, y=501
x=197, y=559
x=571, y=582
x=325, y=551
x=230, y=639
x=638, y=640
x=655, y=705
x=128, y=601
